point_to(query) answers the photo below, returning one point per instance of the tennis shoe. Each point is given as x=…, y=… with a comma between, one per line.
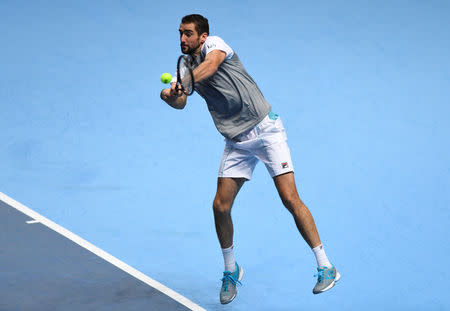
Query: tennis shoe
x=229, y=281
x=326, y=279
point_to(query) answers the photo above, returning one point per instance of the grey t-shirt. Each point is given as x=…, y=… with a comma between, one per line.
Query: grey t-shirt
x=234, y=100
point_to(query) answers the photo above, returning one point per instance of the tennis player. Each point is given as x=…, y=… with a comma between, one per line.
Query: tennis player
x=252, y=132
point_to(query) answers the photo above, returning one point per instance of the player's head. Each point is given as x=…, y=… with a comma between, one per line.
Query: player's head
x=194, y=30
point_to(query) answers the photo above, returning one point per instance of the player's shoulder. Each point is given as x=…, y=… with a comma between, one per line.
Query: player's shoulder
x=213, y=41
x=213, y=38
x=216, y=43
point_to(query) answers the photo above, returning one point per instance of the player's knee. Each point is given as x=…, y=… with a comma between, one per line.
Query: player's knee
x=221, y=206
x=291, y=201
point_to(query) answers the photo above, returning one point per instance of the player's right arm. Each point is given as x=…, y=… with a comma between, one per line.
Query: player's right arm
x=174, y=98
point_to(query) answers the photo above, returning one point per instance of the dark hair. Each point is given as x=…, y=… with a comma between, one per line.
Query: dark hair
x=201, y=23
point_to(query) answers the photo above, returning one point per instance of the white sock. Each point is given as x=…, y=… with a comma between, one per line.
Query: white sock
x=321, y=257
x=228, y=258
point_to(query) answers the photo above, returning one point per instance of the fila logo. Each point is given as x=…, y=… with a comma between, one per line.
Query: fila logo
x=284, y=165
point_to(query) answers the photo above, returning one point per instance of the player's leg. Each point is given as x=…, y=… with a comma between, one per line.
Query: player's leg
x=236, y=167
x=276, y=156
x=287, y=190
x=227, y=189
x=327, y=273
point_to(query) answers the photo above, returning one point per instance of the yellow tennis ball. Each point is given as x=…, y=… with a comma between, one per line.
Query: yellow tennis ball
x=166, y=78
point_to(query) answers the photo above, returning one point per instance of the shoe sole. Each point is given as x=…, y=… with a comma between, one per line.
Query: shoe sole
x=240, y=277
x=338, y=277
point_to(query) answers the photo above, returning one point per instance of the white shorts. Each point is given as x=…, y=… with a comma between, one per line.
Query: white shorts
x=265, y=142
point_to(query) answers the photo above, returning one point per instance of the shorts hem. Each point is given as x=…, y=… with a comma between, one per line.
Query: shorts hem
x=234, y=176
x=281, y=173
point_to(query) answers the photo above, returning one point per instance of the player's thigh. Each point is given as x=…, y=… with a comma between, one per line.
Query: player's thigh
x=287, y=189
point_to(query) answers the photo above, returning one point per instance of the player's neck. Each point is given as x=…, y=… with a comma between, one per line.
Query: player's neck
x=197, y=51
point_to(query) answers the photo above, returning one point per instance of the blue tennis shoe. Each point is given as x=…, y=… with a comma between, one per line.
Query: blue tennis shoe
x=326, y=279
x=229, y=281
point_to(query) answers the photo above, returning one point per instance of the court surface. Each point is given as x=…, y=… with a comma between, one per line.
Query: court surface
x=45, y=267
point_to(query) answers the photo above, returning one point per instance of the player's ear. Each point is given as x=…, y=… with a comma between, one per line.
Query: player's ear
x=203, y=37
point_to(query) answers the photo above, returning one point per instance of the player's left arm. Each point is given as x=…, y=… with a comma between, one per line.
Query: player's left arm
x=210, y=65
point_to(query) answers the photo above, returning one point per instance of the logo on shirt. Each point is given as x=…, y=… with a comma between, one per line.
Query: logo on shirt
x=211, y=45
x=284, y=165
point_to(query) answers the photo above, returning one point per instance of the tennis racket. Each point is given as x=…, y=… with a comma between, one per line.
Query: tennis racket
x=185, y=75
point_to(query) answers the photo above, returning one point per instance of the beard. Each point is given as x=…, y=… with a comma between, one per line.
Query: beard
x=188, y=50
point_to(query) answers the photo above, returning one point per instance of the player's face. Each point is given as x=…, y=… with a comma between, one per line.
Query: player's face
x=190, y=41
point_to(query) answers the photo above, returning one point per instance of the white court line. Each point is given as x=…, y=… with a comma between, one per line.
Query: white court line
x=101, y=253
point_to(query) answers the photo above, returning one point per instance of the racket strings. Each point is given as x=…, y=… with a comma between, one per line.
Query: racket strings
x=186, y=75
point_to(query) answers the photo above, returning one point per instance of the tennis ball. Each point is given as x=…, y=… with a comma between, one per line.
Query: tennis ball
x=166, y=78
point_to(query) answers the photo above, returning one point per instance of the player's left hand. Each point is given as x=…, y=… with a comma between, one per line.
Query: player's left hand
x=175, y=90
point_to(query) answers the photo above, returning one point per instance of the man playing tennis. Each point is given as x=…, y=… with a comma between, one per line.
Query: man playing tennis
x=252, y=132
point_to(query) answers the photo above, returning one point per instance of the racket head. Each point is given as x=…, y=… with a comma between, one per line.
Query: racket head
x=185, y=74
